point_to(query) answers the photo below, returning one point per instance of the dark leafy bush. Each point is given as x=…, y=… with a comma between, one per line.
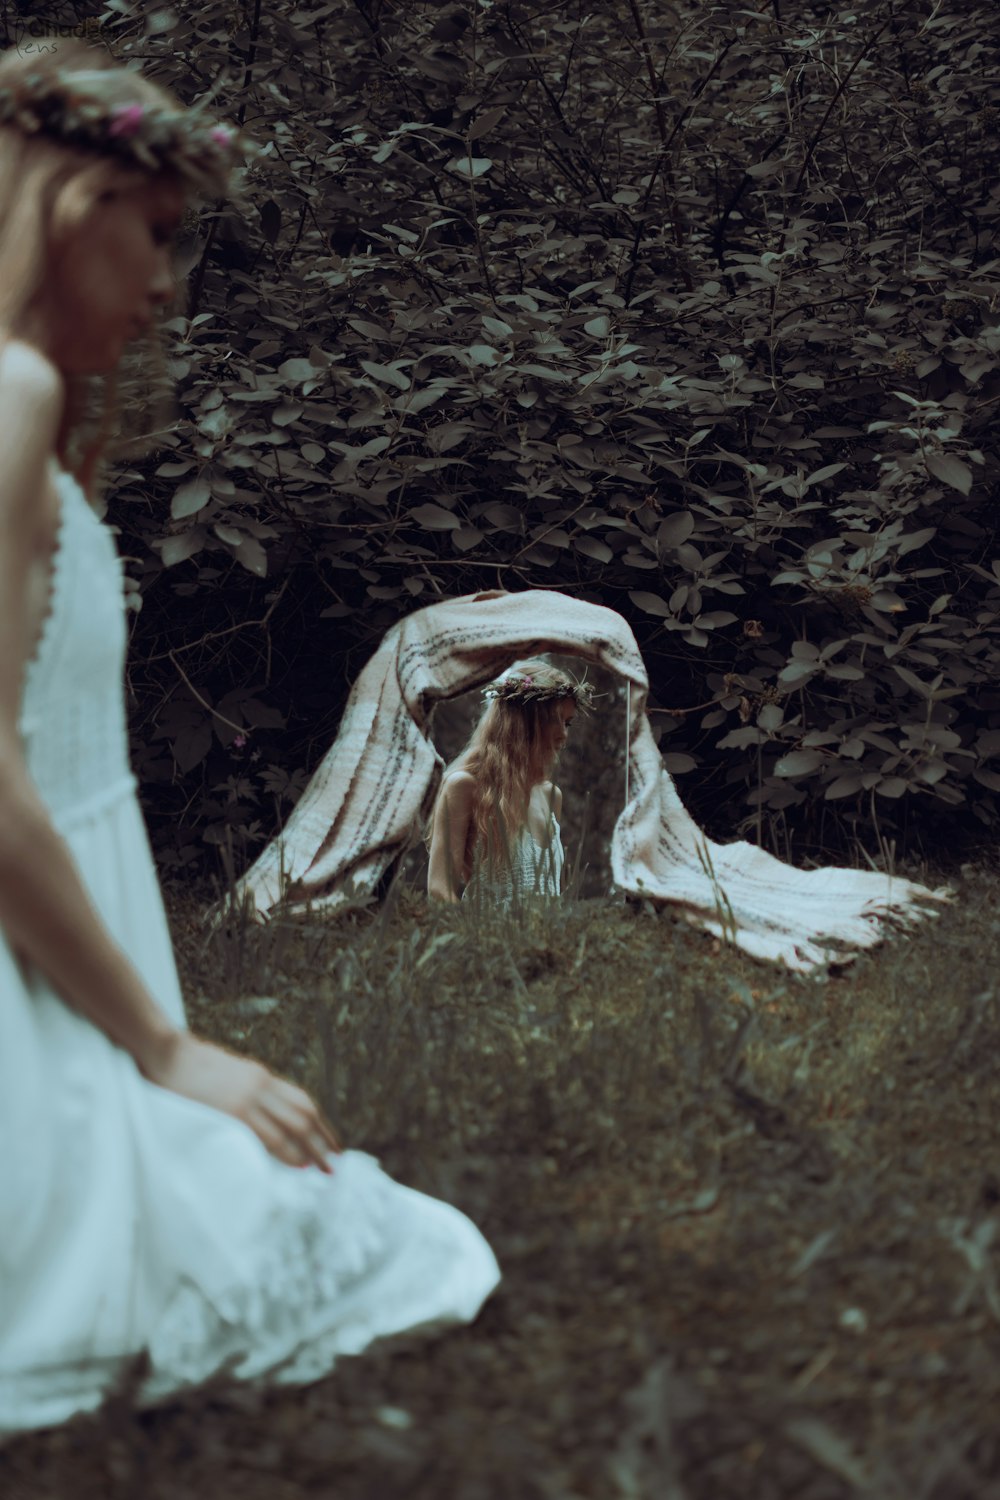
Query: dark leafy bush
x=690, y=309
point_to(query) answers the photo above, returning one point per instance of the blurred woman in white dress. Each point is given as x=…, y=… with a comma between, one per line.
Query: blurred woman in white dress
x=159, y=1195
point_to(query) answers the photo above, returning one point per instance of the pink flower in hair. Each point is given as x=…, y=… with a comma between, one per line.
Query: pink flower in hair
x=126, y=119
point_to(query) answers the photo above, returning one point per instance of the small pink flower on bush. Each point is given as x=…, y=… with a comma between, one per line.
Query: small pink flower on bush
x=221, y=135
x=239, y=741
x=126, y=119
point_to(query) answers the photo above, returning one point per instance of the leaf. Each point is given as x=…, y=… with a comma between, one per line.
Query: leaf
x=915, y=539
x=447, y=435
x=419, y=400
x=466, y=537
x=678, y=764
x=825, y=473
x=951, y=470
x=598, y=328
x=771, y=717
x=675, y=530
x=385, y=374
x=912, y=680
x=288, y=412
x=714, y=619
x=297, y=370
x=799, y=763
x=190, y=498
x=591, y=547
x=763, y=169
x=891, y=786
x=231, y=535
x=369, y=330
x=797, y=671
x=253, y=557
x=192, y=745
x=543, y=372
x=844, y=786
x=651, y=603
x=487, y=121
x=504, y=517
x=177, y=549
x=887, y=602
x=434, y=517
x=470, y=167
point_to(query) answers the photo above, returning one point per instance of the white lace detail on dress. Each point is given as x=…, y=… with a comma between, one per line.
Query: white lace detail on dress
x=72, y=718
x=57, y=563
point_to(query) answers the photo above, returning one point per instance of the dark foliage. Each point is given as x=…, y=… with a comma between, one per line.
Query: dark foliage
x=690, y=308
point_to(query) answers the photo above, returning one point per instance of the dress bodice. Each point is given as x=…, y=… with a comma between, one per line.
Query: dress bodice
x=534, y=870
x=72, y=714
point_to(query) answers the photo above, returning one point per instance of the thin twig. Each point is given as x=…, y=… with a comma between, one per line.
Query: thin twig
x=240, y=728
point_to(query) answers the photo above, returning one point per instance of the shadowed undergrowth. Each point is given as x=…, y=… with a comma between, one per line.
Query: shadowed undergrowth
x=747, y=1220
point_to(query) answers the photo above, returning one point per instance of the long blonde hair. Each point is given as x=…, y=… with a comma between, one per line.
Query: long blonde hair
x=511, y=749
x=47, y=189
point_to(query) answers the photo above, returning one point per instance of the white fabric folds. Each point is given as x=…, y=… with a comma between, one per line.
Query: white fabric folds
x=367, y=800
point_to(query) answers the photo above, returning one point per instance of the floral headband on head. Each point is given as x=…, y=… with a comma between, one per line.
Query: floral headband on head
x=68, y=107
x=521, y=684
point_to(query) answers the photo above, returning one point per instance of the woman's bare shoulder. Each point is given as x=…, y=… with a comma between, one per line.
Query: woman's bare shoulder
x=26, y=371
x=458, y=785
x=553, y=796
x=31, y=405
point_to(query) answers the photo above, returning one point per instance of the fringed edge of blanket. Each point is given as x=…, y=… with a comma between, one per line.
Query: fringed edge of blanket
x=837, y=943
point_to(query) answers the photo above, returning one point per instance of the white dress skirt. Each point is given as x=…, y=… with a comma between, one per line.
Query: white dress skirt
x=134, y=1221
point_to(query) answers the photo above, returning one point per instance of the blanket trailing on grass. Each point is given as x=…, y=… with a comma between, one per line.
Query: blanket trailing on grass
x=366, y=804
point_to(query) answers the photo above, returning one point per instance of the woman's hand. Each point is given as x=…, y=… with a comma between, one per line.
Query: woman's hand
x=283, y=1116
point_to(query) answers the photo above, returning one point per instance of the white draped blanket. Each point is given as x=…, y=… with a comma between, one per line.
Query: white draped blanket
x=366, y=803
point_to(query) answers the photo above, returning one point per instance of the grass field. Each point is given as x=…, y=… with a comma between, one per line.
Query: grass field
x=748, y=1222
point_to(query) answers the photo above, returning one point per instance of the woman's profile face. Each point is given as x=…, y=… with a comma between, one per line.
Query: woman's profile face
x=564, y=716
x=109, y=277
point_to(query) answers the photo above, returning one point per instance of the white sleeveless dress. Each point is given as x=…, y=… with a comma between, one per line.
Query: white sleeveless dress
x=132, y=1219
x=535, y=871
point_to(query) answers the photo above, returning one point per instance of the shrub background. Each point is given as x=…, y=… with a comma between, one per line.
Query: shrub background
x=689, y=309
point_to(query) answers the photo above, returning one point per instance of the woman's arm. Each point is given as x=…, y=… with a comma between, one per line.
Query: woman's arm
x=45, y=910
x=450, y=837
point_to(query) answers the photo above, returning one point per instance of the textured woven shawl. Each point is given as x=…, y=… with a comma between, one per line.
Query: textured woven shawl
x=369, y=797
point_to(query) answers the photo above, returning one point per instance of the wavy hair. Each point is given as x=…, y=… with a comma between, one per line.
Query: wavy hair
x=47, y=189
x=509, y=752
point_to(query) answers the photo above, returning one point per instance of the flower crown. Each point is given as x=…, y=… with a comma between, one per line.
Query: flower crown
x=152, y=137
x=521, y=685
